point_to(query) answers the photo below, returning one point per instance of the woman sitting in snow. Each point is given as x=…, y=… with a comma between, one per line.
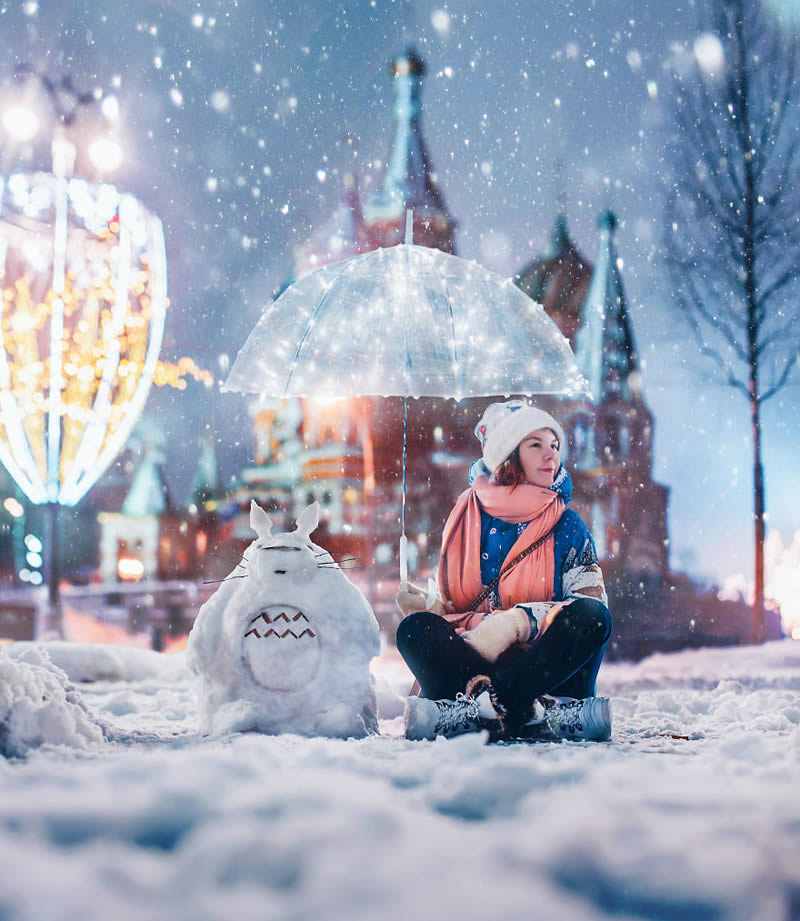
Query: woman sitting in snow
x=515, y=640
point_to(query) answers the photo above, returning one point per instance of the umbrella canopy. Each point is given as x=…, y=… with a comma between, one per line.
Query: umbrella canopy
x=405, y=321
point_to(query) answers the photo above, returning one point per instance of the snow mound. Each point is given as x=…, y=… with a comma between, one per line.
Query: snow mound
x=39, y=706
x=84, y=662
x=774, y=665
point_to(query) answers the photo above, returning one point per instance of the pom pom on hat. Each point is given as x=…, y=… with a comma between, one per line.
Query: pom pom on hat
x=504, y=425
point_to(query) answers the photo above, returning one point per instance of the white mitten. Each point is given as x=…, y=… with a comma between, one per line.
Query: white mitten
x=499, y=630
x=412, y=598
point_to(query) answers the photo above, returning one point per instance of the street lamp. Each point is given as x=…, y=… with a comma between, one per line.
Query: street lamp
x=83, y=297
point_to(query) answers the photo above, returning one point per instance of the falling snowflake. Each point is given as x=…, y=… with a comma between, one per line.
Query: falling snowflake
x=440, y=20
x=220, y=101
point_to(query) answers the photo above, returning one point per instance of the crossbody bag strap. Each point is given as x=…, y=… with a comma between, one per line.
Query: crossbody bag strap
x=521, y=556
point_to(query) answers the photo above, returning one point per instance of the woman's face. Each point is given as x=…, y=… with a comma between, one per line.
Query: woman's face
x=538, y=456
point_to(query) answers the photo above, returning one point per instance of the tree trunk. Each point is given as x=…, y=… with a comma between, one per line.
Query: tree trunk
x=759, y=614
x=744, y=135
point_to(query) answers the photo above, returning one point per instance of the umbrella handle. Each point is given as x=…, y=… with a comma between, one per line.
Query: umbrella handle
x=403, y=563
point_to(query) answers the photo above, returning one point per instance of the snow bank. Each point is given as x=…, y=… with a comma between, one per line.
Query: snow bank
x=775, y=664
x=38, y=706
x=98, y=662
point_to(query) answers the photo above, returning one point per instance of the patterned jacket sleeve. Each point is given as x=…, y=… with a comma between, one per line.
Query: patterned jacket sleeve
x=582, y=576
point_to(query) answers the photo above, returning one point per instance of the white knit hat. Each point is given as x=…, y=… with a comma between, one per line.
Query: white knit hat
x=504, y=425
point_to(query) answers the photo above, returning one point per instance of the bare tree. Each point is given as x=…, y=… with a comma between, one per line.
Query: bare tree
x=732, y=227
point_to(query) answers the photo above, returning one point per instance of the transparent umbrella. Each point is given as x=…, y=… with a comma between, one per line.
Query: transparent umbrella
x=405, y=321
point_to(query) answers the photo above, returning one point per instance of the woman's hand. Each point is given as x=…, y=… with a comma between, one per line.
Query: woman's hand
x=499, y=630
x=412, y=598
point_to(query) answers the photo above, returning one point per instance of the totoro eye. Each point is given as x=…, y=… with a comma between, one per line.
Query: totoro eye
x=280, y=572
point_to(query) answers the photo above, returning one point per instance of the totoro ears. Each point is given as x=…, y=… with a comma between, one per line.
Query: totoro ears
x=260, y=521
x=308, y=520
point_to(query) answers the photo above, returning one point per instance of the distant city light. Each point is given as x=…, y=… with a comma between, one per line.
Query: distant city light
x=34, y=559
x=13, y=507
x=35, y=578
x=130, y=569
x=33, y=543
x=21, y=123
x=782, y=572
x=106, y=154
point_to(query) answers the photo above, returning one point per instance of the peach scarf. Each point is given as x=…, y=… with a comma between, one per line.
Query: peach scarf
x=459, y=565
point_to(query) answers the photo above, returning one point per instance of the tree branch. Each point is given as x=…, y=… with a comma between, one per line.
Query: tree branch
x=781, y=382
x=790, y=274
x=780, y=335
x=695, y=307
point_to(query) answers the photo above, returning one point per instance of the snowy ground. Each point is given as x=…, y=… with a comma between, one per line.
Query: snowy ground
x=163, y=824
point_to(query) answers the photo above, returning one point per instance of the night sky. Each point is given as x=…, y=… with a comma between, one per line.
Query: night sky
x=240, y=119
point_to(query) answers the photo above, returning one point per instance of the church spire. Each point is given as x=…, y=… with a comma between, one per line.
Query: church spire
x=409, y=181
x=558, y=279
x=604, y=347
x=207, y=482
x=340, y=237
x=148, y=494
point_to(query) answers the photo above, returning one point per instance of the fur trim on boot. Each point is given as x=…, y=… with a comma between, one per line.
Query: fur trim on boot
x=477, y=686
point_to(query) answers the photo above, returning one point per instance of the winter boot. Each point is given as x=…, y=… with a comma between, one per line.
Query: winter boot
x=557, y=718
x=470, y=712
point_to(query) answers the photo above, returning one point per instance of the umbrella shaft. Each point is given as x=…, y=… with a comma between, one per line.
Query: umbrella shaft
x=405, y=442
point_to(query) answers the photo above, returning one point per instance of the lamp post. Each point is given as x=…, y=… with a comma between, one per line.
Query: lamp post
x=82, y=310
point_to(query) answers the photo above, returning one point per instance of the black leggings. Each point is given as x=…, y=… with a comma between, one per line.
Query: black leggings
x=564, y=662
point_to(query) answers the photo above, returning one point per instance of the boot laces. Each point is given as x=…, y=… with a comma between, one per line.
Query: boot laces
x=566, y=717
x=459, y=715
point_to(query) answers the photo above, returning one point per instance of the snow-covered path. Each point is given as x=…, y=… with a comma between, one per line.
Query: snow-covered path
x=646, y=826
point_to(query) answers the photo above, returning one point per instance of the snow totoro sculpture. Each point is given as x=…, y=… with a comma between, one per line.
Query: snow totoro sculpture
x=285, y=642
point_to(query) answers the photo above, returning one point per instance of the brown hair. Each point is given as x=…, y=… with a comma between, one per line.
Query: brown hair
x=510, y=472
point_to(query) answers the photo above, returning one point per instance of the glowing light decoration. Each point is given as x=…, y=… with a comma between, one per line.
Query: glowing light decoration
x=82, y=310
